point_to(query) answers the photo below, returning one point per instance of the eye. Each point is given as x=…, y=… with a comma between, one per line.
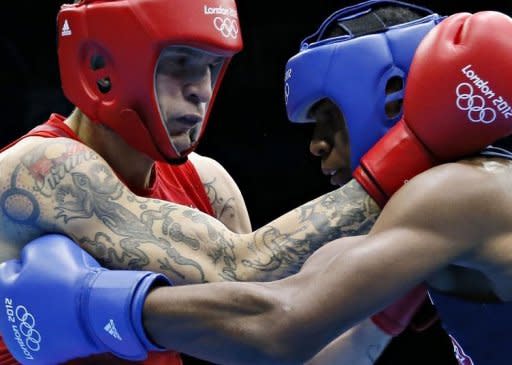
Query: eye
x=174, y=65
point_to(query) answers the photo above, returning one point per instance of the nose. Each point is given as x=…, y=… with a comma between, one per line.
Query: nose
x=319, y=147
x=199, y=90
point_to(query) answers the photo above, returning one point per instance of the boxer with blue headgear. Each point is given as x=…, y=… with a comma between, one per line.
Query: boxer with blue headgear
x=361, y=57
x=358, y=59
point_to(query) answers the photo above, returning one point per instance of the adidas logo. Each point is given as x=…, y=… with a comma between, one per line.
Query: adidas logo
x=111, y=329
x=66, y=30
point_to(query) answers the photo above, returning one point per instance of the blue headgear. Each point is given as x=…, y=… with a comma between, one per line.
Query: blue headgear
x=352, y=70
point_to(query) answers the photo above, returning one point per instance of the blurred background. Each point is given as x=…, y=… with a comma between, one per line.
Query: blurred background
x=248, y=130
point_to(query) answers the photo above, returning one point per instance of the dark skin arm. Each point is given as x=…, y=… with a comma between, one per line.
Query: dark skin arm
x=438, y=218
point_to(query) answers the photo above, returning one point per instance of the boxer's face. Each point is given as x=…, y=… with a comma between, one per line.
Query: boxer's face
x=184, y=82
x=330, y=141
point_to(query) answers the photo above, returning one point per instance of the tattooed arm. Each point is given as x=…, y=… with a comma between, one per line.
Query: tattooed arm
x=60, y=185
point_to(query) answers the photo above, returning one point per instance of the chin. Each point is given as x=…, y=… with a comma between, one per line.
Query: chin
x=182, y=144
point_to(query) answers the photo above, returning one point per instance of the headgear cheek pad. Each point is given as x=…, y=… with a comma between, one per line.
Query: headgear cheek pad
x=352, y=70
x=108, y=51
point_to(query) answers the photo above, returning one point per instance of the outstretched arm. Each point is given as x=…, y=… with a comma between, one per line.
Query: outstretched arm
x=289, y=320
x=60, y=185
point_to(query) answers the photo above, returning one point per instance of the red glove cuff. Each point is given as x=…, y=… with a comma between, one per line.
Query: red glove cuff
x=395, y=158
x=395, y=318
x=370, y=186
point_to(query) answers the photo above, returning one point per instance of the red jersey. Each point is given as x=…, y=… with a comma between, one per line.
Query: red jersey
x=174, y=183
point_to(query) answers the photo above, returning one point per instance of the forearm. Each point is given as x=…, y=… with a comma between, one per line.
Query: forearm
x=254, y=323
x=231, y=323
x=259, y=323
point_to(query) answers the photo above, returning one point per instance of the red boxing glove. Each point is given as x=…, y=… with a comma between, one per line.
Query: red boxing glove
x=457, y=101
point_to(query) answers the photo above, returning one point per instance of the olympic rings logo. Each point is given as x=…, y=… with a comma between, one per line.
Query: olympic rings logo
x=226, y=26
x=27, y=324
x=474, y=105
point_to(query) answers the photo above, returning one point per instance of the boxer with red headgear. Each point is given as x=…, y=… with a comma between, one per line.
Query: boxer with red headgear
x=143, y=78
x=117, y=78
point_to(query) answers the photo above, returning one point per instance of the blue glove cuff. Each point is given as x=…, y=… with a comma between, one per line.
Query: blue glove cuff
x=112, y=308
x=138, y=306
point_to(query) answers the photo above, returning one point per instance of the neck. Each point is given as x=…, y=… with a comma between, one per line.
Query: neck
x=133, y=167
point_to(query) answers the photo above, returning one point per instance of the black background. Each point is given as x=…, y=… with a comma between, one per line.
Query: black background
x=248, y=130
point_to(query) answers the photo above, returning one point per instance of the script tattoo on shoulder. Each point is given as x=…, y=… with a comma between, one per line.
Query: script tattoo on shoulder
x=48, y=165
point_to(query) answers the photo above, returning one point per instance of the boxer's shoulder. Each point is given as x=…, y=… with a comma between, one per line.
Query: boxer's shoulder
x=223, y=193
x=37, y=146
x=463, y=193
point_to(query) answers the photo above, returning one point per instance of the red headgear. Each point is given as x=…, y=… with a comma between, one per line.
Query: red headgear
x=108, y=51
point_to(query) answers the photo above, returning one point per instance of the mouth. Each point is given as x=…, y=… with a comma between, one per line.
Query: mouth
x=184, y=124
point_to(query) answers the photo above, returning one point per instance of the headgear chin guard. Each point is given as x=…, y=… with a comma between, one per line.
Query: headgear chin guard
x=108, y=53
x=353, y=69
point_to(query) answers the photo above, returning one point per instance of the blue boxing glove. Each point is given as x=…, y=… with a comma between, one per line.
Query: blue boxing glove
x=60, y=304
